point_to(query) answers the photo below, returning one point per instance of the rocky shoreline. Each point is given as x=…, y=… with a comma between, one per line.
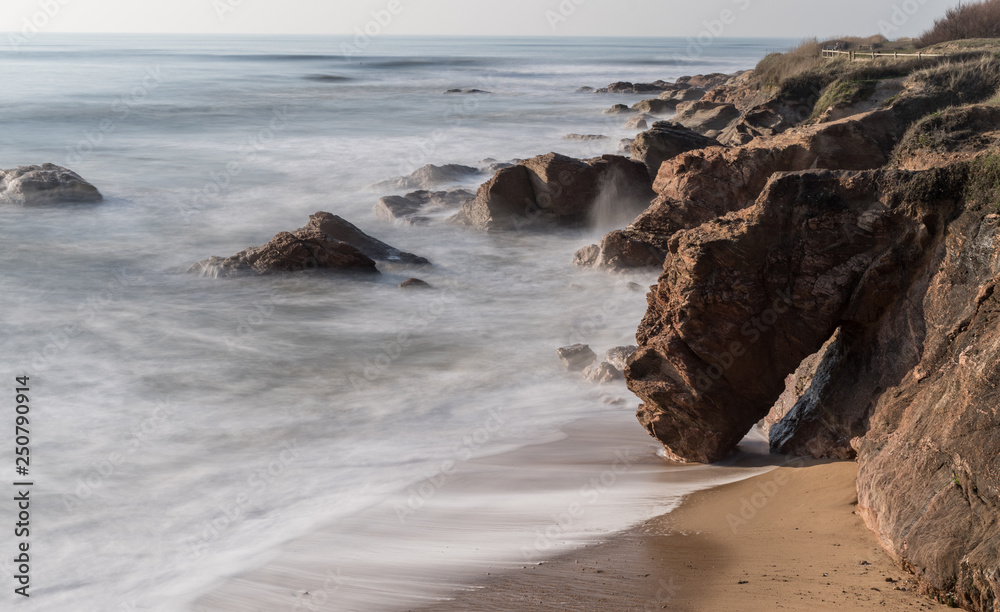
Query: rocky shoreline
x=829, y=267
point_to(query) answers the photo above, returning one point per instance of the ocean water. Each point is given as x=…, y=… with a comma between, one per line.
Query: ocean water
x=186, y=428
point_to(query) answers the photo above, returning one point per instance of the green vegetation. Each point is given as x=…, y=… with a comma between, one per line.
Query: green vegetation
x=844, y=92
x=978, y=20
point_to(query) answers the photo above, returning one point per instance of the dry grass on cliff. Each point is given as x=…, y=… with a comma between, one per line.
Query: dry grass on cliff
x=979, y=20
x=966, y=80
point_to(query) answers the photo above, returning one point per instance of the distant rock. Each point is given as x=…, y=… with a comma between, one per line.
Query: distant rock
x=467, y=91
x=414, y=283
x=633, y=88
x=553, y=189
x=414, y=207
x=586, y=89
x=431, y=176
x=577, y=357
x=603, y=373
x=666, y=141
x=619, y=109
x=655, y=106
x=692, y=94
x=585, y=137
x=619, y=356
x=327, y=242
x=639, y=122
x=45, y=184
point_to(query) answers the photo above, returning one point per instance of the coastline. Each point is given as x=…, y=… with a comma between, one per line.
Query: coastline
x=799, y=547
x=490, y=516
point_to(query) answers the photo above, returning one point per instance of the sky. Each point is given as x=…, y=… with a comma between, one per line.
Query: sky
x=685, y=18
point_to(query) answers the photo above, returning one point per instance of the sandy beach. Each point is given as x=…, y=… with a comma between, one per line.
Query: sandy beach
x=788, y=539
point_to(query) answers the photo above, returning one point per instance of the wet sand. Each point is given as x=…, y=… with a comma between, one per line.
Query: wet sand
x=788, y=540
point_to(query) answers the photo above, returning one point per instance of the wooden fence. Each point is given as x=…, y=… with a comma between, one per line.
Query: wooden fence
x=863, y=55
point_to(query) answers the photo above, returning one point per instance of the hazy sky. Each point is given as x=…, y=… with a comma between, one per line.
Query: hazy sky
x=792, y=18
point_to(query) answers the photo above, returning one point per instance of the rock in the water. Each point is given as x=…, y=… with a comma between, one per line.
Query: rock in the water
x=326, y=242
x=666, y=141
x=639, y=122
x=655, y=106
x=414, y=208
x=553, y=189
x=585, y=137
x=619, y=109
x=45, y=184
x=577, y=357
x=305, y=249
x=619, y=356
x=467, y=91
x=414, y=283
x=602, y=373
x=340, y=229
x=431, y=176
x=634, y=88
x=619, y=250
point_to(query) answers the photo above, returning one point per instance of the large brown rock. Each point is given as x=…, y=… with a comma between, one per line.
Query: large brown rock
x=554, y=189
x=45, y=184
x=339, y=228
x=665, y=141
x=744, y=299
x=704, y=117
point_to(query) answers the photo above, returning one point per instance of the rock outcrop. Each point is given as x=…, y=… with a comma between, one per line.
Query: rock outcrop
x=45, y=184
x=327, y=242
x=577, y=357
x=553, y=189
x=655, y=106
x=666, y=140
x=708, y=118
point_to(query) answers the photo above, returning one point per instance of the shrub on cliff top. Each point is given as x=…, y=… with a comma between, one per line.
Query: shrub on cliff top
x=979, y=20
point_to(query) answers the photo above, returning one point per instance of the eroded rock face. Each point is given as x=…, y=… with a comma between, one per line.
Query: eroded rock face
x=708, y=118
x=45, y=184
x=665, y=141
x=553, y=189
x=745, y=298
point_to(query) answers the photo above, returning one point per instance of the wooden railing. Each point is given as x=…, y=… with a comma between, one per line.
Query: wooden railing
x=859, y=55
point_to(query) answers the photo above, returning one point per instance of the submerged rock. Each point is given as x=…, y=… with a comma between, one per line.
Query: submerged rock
x=45, y=184
x=414, y=283
x=619, y=356
x=585, y=137
x=414, y=207
x=577, y=357
x=602, y=373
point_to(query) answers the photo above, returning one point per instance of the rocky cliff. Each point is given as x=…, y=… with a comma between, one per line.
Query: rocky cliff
x=838, y=278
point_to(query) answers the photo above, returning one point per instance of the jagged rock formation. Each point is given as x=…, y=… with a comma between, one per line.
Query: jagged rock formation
x=45, y=184
x=665, y=141
x=553, y=189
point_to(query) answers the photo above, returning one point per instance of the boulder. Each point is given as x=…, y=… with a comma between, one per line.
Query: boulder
x=602, y=373
x=45, y=184
x=619, y=250
x=619, y=356
x=639, y=122
x=708, y=118
x=665, y=141
x=305, y=249
x=414, y=283
x=655, y=106
x=431, y=176
x=577, y=357
x=692, y=94
x=619, y=109
x=414, y=208
x=634, y=88
x=340, y=229
x=551, y=189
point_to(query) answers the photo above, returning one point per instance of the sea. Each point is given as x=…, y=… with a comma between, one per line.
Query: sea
x=187, y=431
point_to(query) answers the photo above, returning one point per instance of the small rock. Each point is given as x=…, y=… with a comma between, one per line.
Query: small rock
x=577, y=357
x=602, y=373
x=618, y=356
x=45, y=184
x=414, y=283
x=619, y=109
x=585, y=137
